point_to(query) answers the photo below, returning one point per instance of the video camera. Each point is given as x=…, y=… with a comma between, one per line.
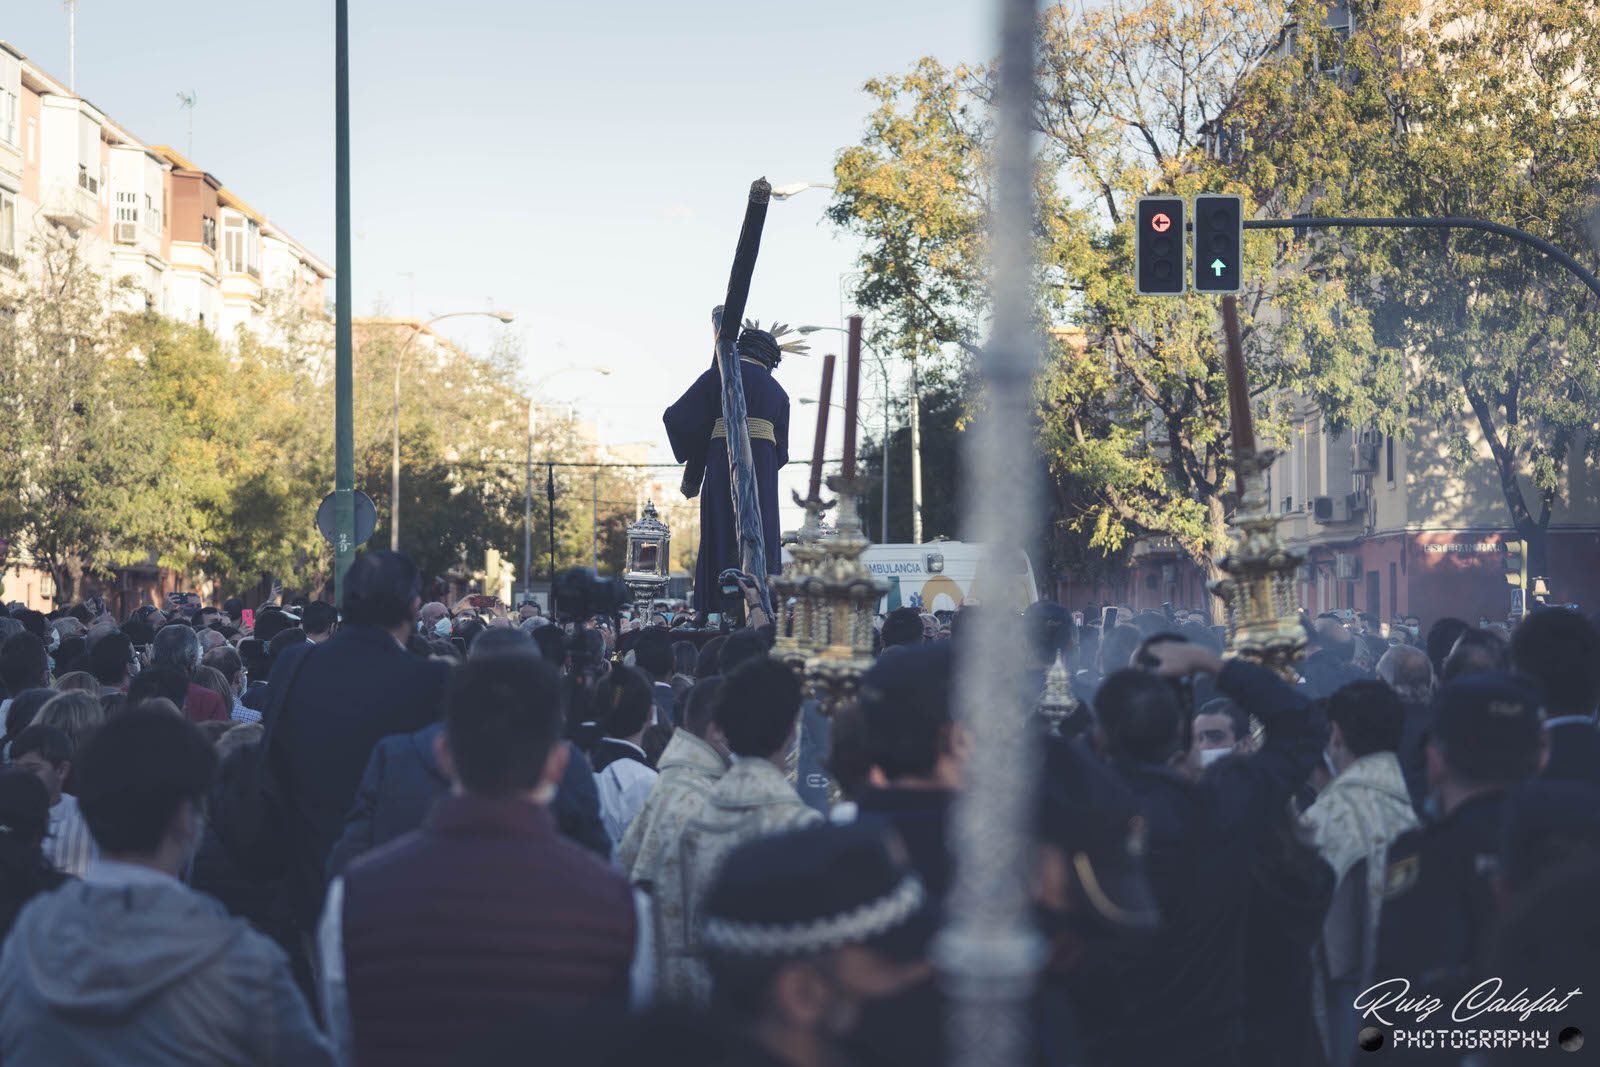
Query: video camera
x=579, y=593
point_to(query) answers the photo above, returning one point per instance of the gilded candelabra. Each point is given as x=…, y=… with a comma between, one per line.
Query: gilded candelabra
x=799, y=635
x=843, y=595
x=1263, y=620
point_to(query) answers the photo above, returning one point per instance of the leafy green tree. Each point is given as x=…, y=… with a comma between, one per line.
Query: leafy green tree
x=1133, y=401
x=77, y=459
x=943, y=410
x=1482, y=108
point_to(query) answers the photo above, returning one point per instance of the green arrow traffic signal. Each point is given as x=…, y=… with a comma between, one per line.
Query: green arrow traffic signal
x=1218, y=242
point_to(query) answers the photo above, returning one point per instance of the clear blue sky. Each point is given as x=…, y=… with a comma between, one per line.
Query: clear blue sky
x=583, y=164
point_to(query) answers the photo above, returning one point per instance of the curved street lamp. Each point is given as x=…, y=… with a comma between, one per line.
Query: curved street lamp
x=784, y=192
x=399, y=361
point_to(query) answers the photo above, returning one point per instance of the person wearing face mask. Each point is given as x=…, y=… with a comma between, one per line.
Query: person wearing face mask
x=806, y=934
x=160, y=974
x=486, y=913
x=1183, y=992
x=1220, y=729
x=433, y=619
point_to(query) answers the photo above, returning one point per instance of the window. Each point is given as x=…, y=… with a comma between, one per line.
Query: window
x=152, y=214
x=233, y=240
x=127, y=207
x=1388, y=457
x=252, y=248
x=10, y=86
x=8, y=116
x=8, y=230
x=208, y=232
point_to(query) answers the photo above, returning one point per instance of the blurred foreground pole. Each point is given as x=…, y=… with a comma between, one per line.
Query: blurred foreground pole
x=988, y=952
x=344, y=444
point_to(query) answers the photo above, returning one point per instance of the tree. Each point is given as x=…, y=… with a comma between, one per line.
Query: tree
x=1133, y=401
x=943, y=417
x=1482, y=108
x=79, y=469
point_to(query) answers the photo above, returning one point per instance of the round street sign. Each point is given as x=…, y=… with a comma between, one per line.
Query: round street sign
x=366, y=517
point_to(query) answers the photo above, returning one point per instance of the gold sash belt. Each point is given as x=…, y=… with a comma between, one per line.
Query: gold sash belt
x=760, y=430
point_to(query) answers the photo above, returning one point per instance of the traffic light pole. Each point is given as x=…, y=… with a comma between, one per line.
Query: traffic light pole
x=1447, y=222
x=344, y=449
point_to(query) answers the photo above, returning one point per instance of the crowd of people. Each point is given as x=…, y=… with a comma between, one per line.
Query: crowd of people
x=415, y=834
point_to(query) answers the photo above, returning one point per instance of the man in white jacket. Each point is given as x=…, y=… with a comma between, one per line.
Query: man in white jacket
x=1356, y=817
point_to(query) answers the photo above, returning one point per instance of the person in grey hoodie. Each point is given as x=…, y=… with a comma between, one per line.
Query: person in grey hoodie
x=129, y=965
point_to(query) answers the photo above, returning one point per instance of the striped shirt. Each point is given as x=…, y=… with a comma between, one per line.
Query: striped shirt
x=69, y=845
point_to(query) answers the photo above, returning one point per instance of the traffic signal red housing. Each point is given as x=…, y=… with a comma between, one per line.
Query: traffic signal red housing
x=1158, y=248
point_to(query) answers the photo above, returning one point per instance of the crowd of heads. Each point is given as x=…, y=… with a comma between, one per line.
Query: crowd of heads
x=131, y=719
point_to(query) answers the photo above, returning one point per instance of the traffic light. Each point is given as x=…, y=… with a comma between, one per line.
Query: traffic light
x=1218, y=243
x=1158, y=252
x=1515, y=561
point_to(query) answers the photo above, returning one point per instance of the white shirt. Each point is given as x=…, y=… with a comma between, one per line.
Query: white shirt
x=69, y=845
x=624, y=786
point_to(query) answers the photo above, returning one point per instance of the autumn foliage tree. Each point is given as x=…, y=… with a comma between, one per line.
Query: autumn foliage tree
x=132, y=439
x=1482, y=108
x=1465, y=107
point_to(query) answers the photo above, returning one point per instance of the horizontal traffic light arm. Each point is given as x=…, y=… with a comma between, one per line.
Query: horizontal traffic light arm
x=1448, y=222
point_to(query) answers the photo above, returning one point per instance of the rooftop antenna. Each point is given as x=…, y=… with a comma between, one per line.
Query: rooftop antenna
x=186, y=101
x=72, y=44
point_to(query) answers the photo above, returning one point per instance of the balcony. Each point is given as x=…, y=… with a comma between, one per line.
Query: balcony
x=75, y=207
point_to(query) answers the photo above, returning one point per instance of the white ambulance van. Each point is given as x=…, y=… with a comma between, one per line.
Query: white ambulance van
x=943, y=575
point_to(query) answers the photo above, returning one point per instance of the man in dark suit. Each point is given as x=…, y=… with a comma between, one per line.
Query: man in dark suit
x=1560, y=651
x=403, y=779
x=336, y=701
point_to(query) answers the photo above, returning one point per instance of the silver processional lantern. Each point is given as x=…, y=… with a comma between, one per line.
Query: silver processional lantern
x=649, y=558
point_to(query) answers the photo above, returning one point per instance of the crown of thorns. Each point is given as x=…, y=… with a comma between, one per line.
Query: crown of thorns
x=799, y=346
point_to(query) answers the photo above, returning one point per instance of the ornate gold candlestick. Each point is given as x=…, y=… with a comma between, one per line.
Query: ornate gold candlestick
x=798, y=638
x=846, y=596
x=1263, y=619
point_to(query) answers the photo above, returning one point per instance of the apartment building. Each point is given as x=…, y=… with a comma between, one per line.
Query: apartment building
x=190, y=247
x=193, y=249
x=1390, y=527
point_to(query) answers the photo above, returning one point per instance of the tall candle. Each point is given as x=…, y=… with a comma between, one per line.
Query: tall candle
x=1244, y=434
x=852, y=395
x=824, y=395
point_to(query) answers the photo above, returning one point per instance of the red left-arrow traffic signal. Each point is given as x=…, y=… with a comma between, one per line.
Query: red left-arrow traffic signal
x=1158, y=246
